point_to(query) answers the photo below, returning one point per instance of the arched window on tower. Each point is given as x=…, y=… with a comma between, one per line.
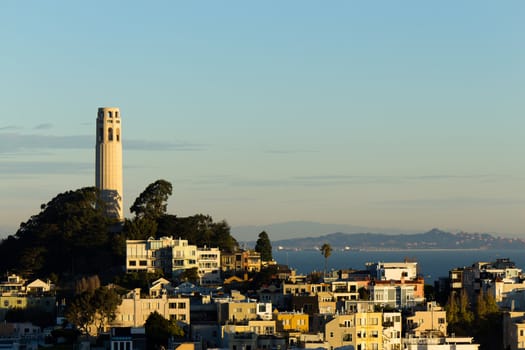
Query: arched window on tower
x=116, y=114
x=110, y=114
x=110, y=134
x=118, y=135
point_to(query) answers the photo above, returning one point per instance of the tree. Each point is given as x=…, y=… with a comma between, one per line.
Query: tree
x=199, y=230
x=326, y=250
x=93, y=308
x=264, y=246
x=152, y=202
x=106, y=301
x=69, y=234
x=81, y=312
x=452, y=309
x=465, y=313
x=190, y=275
x=159, y=330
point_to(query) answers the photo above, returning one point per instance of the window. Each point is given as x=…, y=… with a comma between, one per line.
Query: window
x=172, y=305
x=441, y=320
x=118, y=134
x=110, y=114
x=182, y=305
x=110, y=134
x=347, y=337
x=132, y=263
x=331, y=334
x=143, y=263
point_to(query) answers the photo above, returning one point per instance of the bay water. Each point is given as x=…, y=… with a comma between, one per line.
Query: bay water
x=432, y=264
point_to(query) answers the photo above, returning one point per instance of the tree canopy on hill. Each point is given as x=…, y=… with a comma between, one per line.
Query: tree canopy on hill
x=198, y=229
x=70, y=234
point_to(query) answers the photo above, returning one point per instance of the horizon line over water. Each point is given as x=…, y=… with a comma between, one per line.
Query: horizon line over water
x=432, y=264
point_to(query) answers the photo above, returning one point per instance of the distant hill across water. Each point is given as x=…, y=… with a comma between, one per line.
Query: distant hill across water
x=300, y=229
x=433, y=239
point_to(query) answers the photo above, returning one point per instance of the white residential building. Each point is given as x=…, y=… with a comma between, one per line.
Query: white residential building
x=439, y=343
x=398, y=296
x=397, y=271
x=209, y=260
x=173, y=256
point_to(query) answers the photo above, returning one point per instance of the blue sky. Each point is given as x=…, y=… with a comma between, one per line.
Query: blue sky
x=404, y=115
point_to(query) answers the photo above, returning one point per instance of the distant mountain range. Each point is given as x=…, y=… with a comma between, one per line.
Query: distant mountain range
x=300, y=229
x=433, y=239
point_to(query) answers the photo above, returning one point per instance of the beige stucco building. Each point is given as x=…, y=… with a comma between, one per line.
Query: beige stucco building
x=432, y=320
x=108, y=172
x=135, y=310
x=514, y=330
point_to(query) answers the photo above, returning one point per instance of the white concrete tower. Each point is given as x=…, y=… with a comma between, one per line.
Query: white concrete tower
x=109, y=160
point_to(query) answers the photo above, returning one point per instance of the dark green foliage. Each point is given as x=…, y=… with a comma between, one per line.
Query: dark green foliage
x=429, y=292
x=488, y=322
x=139, y=279
x=264, y=277
x=459, y=314
x=326, y=250
x=364, y=294
x=93, y=308
x=199, y=230
x=485, y=324
x=152, y=202
x=81, y=312
x=190, y=275
x=264, y=246
x=70, y=234
x=159, y=330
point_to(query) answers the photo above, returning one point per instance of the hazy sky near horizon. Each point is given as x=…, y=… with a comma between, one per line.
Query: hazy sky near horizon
x=405, y=115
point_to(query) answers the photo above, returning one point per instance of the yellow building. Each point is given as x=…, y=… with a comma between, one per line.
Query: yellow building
x=44, y=303
x=259, y=327
x=291, y=321
x=362, y=330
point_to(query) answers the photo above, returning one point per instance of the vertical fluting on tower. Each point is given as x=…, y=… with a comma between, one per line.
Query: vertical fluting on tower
x=108, y=177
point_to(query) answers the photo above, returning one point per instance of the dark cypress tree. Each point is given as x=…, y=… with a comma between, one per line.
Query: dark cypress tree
x=264, y=246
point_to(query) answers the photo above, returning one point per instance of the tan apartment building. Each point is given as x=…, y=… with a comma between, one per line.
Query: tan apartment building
x=135, y=310
x=362, y=330
x=242, y=261
x=514, y=330
x=432, y=320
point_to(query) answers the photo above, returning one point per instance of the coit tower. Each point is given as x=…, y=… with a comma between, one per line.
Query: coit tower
x=109, y=160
